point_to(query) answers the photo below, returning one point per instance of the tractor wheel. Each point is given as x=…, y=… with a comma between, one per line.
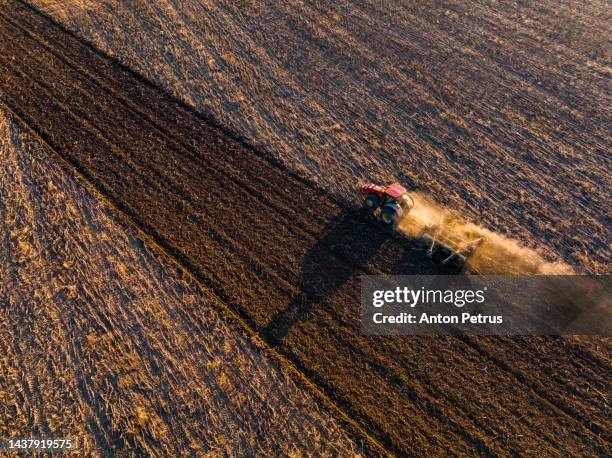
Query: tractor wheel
x=391, y=214
x=372, y=201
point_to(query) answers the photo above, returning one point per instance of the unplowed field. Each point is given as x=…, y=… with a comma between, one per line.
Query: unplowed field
x=286, y=256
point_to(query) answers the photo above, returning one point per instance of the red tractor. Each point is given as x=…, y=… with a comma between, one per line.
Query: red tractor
x=388, y=203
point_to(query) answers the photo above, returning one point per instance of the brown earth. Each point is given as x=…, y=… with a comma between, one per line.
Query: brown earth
x=498, y=108
x=104, y=345
x=286, y=256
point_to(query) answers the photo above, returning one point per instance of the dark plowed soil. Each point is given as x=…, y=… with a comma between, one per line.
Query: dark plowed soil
x=287, y=257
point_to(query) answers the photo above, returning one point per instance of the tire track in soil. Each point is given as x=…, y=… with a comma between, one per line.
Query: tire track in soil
x=305, y=202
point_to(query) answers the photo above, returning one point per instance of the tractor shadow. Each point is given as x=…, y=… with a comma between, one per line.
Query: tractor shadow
x=350, y=237
x=352, y=241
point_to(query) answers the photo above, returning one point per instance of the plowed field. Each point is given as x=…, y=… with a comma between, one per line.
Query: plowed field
x=286, y=256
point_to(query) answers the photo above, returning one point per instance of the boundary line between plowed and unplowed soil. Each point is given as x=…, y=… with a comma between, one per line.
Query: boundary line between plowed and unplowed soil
x=228, y=243
x=185, y=263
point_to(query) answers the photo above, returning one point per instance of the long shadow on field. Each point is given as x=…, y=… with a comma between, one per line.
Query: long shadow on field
x=349, y=244
x=351, y=240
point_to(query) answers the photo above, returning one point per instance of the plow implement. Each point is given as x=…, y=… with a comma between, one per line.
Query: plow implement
x=446, y=246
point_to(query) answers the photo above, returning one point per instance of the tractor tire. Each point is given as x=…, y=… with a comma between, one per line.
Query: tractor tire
x=372, y=201
x=391, y=214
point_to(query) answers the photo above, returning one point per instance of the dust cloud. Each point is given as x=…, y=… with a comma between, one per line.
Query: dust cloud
x=496, y=255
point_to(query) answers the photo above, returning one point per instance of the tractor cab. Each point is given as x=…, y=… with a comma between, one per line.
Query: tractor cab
x=387, y=203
